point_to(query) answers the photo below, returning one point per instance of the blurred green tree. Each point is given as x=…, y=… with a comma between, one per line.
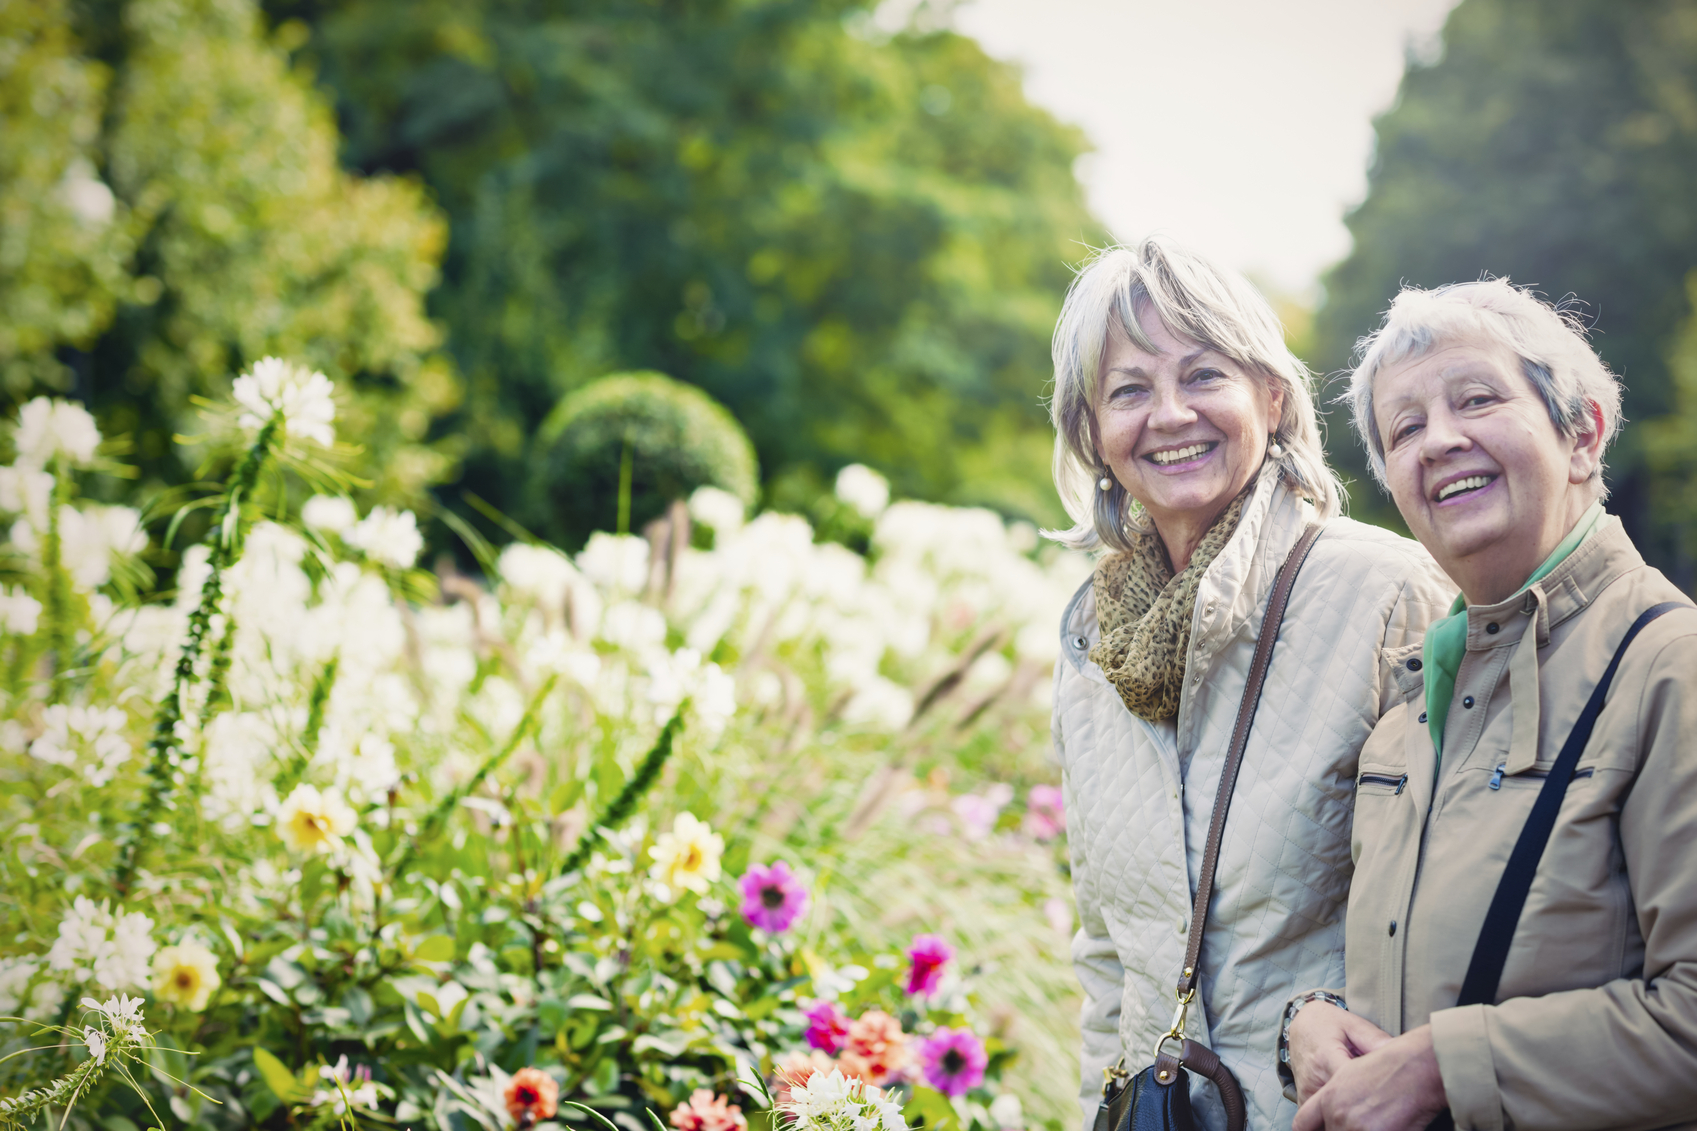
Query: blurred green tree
x=1555, y=144
x=856, y=241
x=172, y=209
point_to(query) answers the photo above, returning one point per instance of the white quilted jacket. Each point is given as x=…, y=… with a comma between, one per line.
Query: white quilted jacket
x=1139, y=796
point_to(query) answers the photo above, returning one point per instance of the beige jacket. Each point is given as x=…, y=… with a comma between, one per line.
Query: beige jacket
x=1595, y=1024
x=1139, y=795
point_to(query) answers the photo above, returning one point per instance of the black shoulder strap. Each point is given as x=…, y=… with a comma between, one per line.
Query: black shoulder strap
x=1491, y=952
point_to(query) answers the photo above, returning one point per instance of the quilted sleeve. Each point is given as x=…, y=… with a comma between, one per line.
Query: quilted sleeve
x=1093, y=955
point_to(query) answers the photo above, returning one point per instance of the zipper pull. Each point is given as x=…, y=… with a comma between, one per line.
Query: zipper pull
x=1400, y=782
x=1497, y=778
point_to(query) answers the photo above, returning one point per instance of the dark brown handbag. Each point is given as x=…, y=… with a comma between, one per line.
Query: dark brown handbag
x=1158, y=1098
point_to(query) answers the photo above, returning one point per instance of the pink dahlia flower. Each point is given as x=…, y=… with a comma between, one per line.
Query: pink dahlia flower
x=953, y=1061
x=827, y=1027
x=707, y=1112
x=772, y=897
x=929, y=954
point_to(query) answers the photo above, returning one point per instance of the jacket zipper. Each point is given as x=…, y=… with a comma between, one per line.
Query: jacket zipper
x=1382, y=779
x=1497, y=777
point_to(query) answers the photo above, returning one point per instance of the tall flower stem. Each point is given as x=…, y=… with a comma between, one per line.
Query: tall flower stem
x=621, y=807
x=444, y=808
x=164, y=749
x=58, y=582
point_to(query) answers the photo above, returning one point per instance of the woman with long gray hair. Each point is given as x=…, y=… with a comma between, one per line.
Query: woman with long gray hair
x=1188, y=453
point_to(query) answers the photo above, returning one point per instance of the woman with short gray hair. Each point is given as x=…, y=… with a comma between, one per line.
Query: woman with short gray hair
x=1522, y=927
x=1188, y=451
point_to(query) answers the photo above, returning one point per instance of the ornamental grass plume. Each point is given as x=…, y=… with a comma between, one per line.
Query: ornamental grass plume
x=875, y=1049
x=707, y=1112
x=773, y=898
x=953, y=1061
x=688, y=856
x=185, y=976
x=827, y=1026
x=532, y=1096
x=929, y=955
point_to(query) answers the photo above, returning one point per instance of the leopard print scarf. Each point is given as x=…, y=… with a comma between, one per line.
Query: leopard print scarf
x=1144, y=613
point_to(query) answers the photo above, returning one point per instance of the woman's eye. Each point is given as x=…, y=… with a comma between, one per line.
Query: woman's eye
x=1404, y=433
x=1476, y=400
x=1206, y=375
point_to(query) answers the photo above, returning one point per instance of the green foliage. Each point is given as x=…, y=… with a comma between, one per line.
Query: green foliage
x=170, y=193
x=857, y=243
x=1555, y=144
x=636, y=441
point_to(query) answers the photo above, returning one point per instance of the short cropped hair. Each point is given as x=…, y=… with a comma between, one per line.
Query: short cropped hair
x=1550, y=341
x=1194, y=299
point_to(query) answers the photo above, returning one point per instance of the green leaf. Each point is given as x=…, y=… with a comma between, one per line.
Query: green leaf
x=435, y=948
x=277, y=1076
x=605, y=1123
x=588, y=1001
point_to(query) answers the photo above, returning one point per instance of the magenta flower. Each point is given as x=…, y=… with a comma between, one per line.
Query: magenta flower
x=772, y=897
x=1045, y=813
x=827, y=1027
x=953, y=1061
x=929, y=954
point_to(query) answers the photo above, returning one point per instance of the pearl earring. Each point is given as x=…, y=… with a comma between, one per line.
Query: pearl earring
x=1274, y=448
x=1104, y=483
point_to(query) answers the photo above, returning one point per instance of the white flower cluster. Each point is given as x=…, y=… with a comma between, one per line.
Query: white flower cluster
x=304, y=399
x=91, y=736
x=833, y=1102
x=50, y=430
x=111, y=950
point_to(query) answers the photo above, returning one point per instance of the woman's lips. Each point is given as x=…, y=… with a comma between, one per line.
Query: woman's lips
x=1467, y=494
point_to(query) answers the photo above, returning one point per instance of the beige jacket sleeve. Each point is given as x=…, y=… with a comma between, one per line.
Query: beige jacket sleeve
x=1094, y=958
x=1623, y=1055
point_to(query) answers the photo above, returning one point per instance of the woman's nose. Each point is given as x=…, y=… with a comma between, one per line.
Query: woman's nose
x=1442, y=435
x=1170, y=409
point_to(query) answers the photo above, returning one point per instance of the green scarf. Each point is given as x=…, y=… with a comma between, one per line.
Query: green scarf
x=1446, y=640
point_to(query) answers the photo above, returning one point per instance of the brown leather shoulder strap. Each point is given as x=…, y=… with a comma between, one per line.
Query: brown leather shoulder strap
x=1270, y=623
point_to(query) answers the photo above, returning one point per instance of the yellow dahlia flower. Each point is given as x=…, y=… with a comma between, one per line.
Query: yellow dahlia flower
x=185, y=976
x=310, y=821
x=688, y=856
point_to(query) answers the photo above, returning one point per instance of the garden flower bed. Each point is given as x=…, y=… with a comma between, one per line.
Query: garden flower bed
x=637, y=834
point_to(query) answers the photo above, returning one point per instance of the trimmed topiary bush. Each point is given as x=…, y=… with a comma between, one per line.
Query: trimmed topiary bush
x=641, y=436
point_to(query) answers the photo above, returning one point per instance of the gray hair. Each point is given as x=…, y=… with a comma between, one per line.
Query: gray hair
x=1194, y=299
x=1550, y=342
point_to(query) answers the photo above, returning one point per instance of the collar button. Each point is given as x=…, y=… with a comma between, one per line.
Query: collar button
x=1414, y=665
x=1493, y=628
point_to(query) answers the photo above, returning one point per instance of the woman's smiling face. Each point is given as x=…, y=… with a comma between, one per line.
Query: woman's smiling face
x=1182, y=429
x=1476, y=466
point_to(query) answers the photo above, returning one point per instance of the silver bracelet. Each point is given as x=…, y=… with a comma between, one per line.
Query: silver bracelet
x=1296, y=1004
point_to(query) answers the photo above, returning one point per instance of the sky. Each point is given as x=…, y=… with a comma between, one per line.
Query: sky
x=1243, y=128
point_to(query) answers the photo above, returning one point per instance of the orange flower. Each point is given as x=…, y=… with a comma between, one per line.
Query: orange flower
x=876, y=1049
x=532, y=1096
x=707, y=1112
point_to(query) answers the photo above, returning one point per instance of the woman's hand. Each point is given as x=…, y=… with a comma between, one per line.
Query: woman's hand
x=1396, y=1087
x=1323, y=1038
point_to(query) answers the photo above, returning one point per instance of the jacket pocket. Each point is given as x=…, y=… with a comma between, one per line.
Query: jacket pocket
x=1378, y=783
x=1533, y=775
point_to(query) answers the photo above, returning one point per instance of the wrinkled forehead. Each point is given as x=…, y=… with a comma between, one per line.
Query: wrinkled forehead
x=1428, y=367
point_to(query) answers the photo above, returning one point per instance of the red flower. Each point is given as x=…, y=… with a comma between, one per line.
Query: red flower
x=532, y=1096
x=707, y=1112
x=827, y=1025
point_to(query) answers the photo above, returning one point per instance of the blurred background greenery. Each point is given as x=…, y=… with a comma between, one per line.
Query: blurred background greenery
x=855, y=239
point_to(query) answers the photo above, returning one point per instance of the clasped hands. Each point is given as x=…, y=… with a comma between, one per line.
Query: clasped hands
x=1351, y=1075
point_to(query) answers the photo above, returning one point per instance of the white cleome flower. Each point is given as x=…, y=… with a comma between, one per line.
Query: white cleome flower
x=49, y=429
x=330, y=513
x=863, y=489
x=91, y=735
x=719, y=509
x=19, y=612
x=96, y=1042
x=388, y=537
x=302, y=396
x=112, y=950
